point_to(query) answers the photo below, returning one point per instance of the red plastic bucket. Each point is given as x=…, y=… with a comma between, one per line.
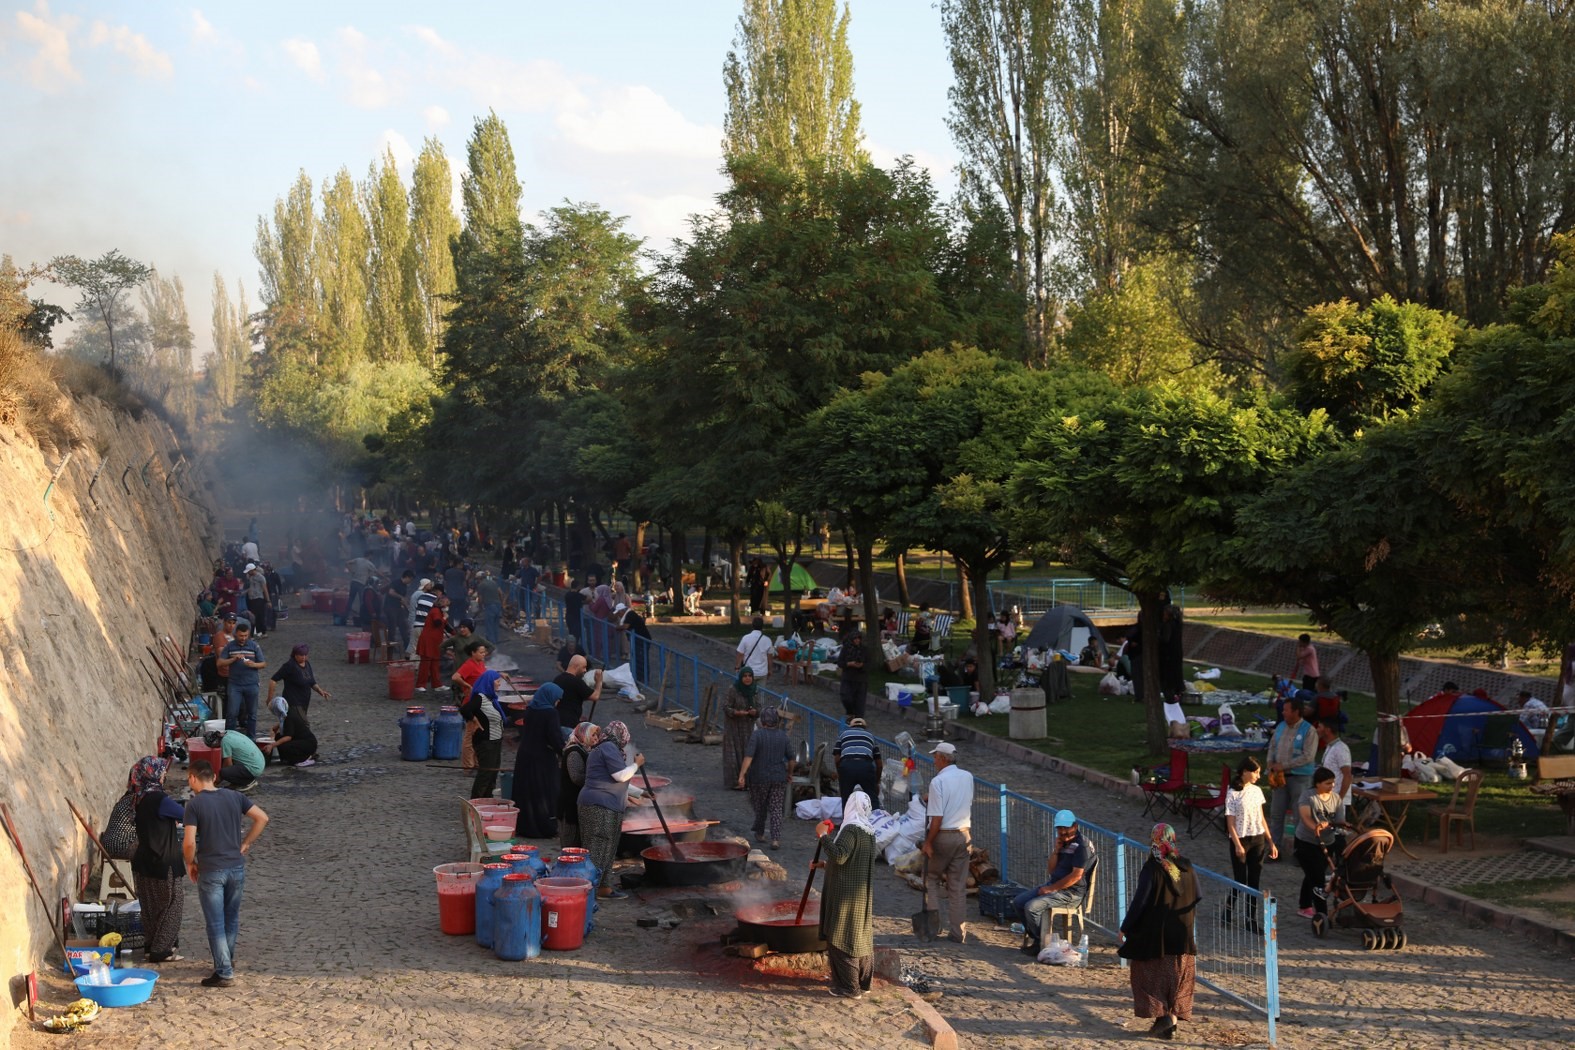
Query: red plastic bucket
x=323, y=601
x=341, y=602
x=456, y=888
x=402, y=679
x=563, y=904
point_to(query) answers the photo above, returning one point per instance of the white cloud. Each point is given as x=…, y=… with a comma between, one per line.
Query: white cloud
x=436, y=117
x=369, y=89
x=636, y=120
x=202, y=31
x=146, y=60
x=305, y=55
x=660, y=219
x=404, y=155
x=50, y=68
x=429, y=36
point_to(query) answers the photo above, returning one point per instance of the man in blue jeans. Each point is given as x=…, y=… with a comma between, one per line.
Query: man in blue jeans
x=1068, y=868
x=215, y=853
x=244, y=658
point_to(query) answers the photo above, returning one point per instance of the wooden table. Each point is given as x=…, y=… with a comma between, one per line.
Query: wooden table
x=1393, y=821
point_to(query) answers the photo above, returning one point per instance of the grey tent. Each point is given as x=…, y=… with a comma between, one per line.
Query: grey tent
x=1066, y=628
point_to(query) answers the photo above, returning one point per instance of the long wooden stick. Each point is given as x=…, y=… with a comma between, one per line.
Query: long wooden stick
x=16, y=840
x=93, y=835
x=804, y=900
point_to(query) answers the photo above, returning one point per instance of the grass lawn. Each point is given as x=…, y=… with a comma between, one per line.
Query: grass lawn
x=1107, y=734
x=1555, y=896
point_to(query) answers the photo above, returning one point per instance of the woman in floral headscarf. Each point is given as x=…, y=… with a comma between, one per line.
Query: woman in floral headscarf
x=603, y=799
x=1157, y=935
x=571, y=778
x=156, y=866
x=767, y=768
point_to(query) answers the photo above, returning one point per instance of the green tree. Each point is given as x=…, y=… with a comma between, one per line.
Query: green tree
x=287, y=264
x=789, y=81
x=1372, y=549
x=343, y=247
x=1134, y=333
x=231, y=348
x=492, y=233
x=388, y=224
x=429, y=267
x=103, y=284
x=1002, y=120
x=1143, y=491
x=170, y=375
x=1367, y=365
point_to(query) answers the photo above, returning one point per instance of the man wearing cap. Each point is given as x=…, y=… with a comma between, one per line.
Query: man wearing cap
x=1068, y=868
x=242, y=658
x=858, y=758
x=855, y=678
x=949, y=808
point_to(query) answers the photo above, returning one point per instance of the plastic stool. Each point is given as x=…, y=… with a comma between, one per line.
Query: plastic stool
x=109, y=885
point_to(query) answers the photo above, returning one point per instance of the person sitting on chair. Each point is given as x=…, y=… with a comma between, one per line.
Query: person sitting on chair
x=923, y=633
x=1068, y=867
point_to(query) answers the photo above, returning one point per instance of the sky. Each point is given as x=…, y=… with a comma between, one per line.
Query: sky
x=165, y=129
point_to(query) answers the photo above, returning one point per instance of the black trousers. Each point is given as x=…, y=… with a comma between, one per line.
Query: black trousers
x=1247, y=870
x=488, y=754
x=859, y=773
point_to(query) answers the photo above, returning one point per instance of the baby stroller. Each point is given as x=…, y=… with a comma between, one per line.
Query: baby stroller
x=1359, y=894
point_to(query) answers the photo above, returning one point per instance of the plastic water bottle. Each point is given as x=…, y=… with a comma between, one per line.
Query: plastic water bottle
x=98, y=973
x=1019, y=929
x=1082, y=951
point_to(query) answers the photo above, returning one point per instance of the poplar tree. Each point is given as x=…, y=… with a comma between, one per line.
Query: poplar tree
x=169, y=373
x=429, y=264
x=287, y=264
x=388, y=224
x=789, y=82
x=343, y=250
x=227, y=362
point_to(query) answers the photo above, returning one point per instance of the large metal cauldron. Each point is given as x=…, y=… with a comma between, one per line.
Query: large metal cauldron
x=698, y=863
x=774, y=926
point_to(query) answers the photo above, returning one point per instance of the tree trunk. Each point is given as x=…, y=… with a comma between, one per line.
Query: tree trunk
x=676, y=575
x=637, y=558
x=848, y=549
x=1149, y=606
x=1006, y=568
x=735, y=549
x=866, y=561
x=965, y=603
x=981, y=630
x=901, y=569
x=1385, y=669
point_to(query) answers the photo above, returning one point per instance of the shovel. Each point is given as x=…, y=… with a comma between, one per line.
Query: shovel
x=926, y=923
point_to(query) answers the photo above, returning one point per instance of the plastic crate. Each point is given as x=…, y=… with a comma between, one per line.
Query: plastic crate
x=995, y=901
x=96, y=924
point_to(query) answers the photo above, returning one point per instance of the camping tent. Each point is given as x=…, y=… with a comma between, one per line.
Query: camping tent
x=802, y=580
x=1452, y=725
x=1065, y=628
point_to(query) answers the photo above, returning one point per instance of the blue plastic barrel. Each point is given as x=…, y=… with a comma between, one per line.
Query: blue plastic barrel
x=490, y=882
x=415, y=735
x=516, y=919
x=447, y=732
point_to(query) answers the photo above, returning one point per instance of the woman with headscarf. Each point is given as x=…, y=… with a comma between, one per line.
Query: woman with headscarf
x=767, y=768
x=739, y=709
x=294, y=742
x=1157, y=935
x=429, y=647
x=571, y=778
x=482, y=707
x=847, y=912
x=157, y=866
x=603, y=800
x=601, y=609
x=536, y=766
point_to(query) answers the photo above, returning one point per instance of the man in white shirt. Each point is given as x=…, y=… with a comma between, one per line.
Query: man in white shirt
x=754, y=649
x=949, y=807
x=1336, y=758
x=1533, y=712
